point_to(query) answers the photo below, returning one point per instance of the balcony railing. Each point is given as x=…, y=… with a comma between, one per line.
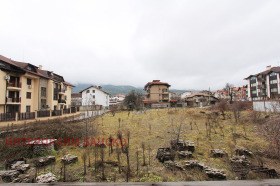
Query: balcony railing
x=13, y=100
x=261, y=86
x=61, y=101
x=14, y=84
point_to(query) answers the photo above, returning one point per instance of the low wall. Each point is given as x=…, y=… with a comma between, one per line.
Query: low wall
x=266, y=106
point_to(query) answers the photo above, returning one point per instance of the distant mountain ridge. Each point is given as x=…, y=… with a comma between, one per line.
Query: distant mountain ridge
x=119, y=89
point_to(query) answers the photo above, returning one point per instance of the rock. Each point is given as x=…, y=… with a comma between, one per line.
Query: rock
x=165, y=154
x=20, y=166
x=194, y=164
x=218, y=153
x=240, y=160
x=69, y=158
x=43, y=161
x=184, y=154
x=46, y=178
x=215, y=173
x=243, y=151
x=189, y=145
x=9, y=176
x=23, y=178
x=173, y=164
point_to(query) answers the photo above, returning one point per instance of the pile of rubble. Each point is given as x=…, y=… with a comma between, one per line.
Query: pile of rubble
x=240, y=160
x=243, y=151
x=218, y=153
x=181, y=145
x=173, y=164
x=165, y=154
x=16, y=174
x=20, y=166
x=46, y=178
x=69, y=158
x=194, y=164
x=9, y=175
x=184, y=154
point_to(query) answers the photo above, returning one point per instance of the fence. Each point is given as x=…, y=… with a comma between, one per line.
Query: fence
x=7, y=117
x=66, y=111
x=26, y=115
x=73, y=110
x=43, y=113
x=266, y=106
x=56, y=113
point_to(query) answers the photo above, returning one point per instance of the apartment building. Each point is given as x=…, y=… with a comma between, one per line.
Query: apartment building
x=157, y=94
x=27, y=88
x=264, y=85
x=95, y=95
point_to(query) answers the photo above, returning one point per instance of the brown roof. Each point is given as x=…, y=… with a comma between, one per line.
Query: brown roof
x=272, y=69
x=198, y=94
x=156, y=82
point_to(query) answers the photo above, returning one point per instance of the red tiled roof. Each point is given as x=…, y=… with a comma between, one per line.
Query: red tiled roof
x=157, y=82
x=149, y=101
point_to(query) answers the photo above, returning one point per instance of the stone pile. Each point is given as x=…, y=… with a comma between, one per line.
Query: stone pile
x=243, y=151
x=173, y=164
x=184, y=154
x=43, y=161
x=215, y=173
x=9, y=175
x=20, y=166
x=180, y=145
x=189, y=145
x=194, y=164
x=165, y=154
x=69, y=158
x=46, y=178
x=22, y=178
x=218, y=153
x=240, y=160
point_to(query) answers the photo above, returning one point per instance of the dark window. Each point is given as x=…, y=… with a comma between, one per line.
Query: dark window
x=93, y=96
x=28, y=95
x=43, y=103
x=55, y=97
x=87, y=91
x=43, y=91
x=55, y=85
x=54, y=108
x=28, y=108
x=65, y=97
x=65, y=88
x=93, y=91
x=28, y=81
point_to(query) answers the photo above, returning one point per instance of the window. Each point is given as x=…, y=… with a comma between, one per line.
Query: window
x=65, y=97
x=252, y=78
x=28, y=108
x=273, y=81
x=55, y=97
x=272, y=74
x=43, y=91
x=93, y=96
x=274, y=90
x=54, y=107
x=28, y=81
x=65, y=88
x=87, y=91
x=28, y=95
x=93, y=91
x=55, y=85
x=2, y=64
x=43, y=103
x=253, y=84
x=254, y=92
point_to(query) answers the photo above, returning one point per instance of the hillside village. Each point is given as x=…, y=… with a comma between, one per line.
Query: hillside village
x=38, y=99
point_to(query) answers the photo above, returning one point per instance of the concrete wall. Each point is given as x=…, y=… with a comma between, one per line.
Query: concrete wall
x=160, y=105
x=266, y=106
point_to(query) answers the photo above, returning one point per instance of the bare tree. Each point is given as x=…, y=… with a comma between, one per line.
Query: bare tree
x=134, y=100
x=143, y=149
x=229, y=89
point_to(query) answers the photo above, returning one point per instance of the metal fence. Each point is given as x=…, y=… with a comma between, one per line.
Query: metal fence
x=56, y=113
x=66, y=111
x=7, y=117
x=43, y=113
x=26, y=115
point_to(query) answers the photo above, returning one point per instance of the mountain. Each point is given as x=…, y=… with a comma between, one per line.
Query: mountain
x=120, y=89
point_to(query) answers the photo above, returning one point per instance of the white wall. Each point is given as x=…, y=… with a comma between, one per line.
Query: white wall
x=184, y=94
x=101, y=98
x=266, y=106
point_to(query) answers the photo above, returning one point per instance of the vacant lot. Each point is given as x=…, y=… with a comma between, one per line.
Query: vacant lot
x=151, y=130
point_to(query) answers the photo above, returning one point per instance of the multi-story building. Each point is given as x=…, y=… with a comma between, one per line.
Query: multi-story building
x=95, y=95
x=264, y=85
x=157, y=91
x=27, y=88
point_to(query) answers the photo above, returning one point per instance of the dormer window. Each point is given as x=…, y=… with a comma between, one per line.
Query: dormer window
x=30, y=68
x=272, y=74
x=2, y=64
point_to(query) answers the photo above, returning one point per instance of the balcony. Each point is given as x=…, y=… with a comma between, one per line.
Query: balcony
x=262, y=94
x=261, y=86
x=13, y=100
x=14, y=85
x=62, y=101
x=261, y=79
x=61, y=91
x=165, y=98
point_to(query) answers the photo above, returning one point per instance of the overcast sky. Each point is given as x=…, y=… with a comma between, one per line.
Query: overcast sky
x=189, y=44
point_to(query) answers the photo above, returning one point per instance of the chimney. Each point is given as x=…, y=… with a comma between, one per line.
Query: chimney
x=40, y=67
x=156, y=80
x=99, y=87
x=268, y=67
